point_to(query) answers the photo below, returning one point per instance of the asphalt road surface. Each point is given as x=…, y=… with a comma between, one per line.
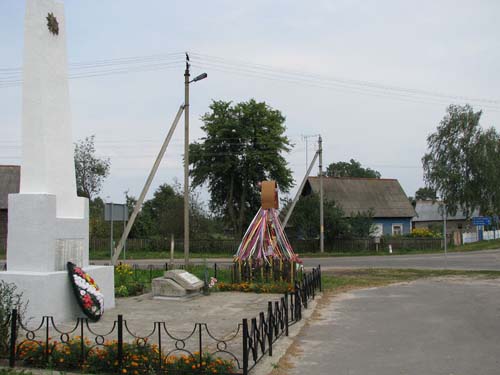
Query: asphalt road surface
x=475, y=260
x=431, y=327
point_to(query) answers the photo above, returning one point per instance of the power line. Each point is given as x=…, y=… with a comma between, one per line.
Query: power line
x=369, y=84
x=101, y=68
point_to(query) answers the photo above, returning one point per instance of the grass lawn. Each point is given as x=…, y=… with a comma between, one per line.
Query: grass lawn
x=342, y=280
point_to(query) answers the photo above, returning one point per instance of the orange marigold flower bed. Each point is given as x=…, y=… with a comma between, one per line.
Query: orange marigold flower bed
x=138, y=358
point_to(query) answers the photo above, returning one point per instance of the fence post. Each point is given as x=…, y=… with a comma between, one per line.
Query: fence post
x=303, y=287
x=120, y=342
x=298, y=304
x=312, y=285
x=82, y=342
x=200, y=342
x=270, y=327
x=286, y=313
x=13, y=338
x=245, y=347
x=319, y=277
x=215, y=270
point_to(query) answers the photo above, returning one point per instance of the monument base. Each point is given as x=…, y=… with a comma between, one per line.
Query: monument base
x=51, y=294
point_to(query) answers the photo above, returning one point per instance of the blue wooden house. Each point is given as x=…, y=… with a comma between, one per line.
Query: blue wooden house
x=384, y=197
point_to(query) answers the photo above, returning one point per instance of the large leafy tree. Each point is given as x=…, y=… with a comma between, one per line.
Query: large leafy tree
x=90, y=170
x=244, y=144
x=425, y=193
x=351, y=169
x=462, y=163
x=160, y=215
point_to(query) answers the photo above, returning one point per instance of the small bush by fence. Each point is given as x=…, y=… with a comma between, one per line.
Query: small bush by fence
x=119, y=350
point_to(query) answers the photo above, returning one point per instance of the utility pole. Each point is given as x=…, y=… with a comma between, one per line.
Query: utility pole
x=186, y=163
x=299, y=191
x=445, y=234
x=321, y=222
x=306, y=138
x=145, y=189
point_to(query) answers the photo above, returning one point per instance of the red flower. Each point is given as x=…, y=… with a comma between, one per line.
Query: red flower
x=87, y=301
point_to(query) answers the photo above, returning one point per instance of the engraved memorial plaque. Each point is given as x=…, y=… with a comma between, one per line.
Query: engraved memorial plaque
x=69, y=250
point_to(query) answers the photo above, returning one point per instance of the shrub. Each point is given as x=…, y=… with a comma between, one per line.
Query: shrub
x=125, y=282
x=10, y=299
x=423, y=233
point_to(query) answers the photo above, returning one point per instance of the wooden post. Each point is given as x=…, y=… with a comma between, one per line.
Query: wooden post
x=172, y=244
x=281, y=270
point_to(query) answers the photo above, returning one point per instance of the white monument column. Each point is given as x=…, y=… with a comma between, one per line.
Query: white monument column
x=48, y=222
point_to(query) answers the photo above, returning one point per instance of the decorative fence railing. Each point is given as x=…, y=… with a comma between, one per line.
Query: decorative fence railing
x=120, y=350
x=276, y=270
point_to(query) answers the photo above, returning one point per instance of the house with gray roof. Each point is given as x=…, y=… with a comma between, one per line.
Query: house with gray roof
x=9, y=184
x=430, y=214
x=384, y=197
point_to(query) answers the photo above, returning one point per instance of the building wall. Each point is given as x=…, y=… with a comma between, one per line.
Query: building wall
x=3, y=230
x=451, y=225
x=387, y=224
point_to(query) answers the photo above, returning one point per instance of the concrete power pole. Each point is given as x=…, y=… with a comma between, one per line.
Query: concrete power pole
x=321, y=222
x=186, y=163
x=152, y=173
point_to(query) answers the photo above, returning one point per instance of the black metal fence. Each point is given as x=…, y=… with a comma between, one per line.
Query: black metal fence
x=119, y=350
x=277, y=270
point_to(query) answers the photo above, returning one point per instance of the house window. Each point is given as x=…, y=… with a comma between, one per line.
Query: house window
x=397, y=229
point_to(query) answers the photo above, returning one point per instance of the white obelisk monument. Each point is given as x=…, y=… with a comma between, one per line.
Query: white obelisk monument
x=48, y=223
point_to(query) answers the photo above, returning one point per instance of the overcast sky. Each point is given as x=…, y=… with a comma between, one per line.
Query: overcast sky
x=372, y=77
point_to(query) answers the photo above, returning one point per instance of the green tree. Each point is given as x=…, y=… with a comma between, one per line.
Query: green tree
x=162, y=214
x=425, y=194
x=351, y=169
x=98, y=228
x=462, y=162
x=90, y=170
x=244, y=144
x=305, y=220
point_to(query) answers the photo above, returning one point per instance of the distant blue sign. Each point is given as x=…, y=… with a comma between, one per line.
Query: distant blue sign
x=481, y=220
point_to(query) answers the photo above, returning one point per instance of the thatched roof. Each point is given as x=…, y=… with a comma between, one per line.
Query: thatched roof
x=383, y=196
x=9, y=183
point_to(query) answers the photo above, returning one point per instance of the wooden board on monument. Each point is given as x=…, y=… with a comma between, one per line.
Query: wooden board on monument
x=269, y=195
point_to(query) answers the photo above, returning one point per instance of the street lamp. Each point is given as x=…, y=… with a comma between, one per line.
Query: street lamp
x=186, y=155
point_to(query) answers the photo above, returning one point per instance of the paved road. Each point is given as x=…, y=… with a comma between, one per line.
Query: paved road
x=477, y=260
x=432, y=327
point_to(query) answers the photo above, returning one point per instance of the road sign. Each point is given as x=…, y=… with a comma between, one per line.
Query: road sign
x=115, y=212
x=481, y=220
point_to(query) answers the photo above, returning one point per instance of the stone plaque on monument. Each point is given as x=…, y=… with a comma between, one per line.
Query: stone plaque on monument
x=176, y=284
x=185, y=279
x=68, y=250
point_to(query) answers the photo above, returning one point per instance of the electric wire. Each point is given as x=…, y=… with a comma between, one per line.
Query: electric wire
x=125, y=65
